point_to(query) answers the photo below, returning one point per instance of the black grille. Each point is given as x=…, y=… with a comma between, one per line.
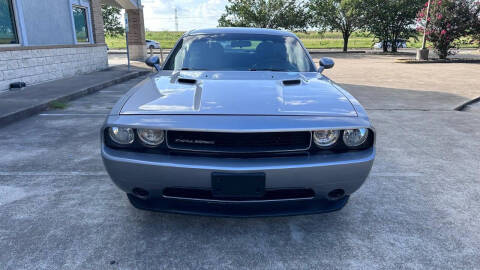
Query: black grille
x=270, y=194
x=238, y=142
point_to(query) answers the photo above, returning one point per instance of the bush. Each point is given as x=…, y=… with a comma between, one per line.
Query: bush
x=448, y=21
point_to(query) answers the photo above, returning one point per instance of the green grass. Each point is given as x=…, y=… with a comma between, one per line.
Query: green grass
x=312, y=40
x=167, y=39
x=57, y=105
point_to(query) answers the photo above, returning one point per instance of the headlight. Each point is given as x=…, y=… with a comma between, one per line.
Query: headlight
x=151, y=137
x=325, y=138
x=355, y=137
x=121, y=135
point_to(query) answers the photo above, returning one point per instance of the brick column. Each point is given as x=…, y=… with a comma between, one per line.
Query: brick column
x=136, y=36
x=97, y=21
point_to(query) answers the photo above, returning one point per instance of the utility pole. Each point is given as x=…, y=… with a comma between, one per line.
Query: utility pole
x=422, y=54
x=176, y=20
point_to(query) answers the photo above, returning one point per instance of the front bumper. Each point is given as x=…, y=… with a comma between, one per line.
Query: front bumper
x=321, y=173
x=243, y=209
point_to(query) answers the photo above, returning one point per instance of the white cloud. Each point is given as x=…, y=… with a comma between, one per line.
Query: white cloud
x=192, y=14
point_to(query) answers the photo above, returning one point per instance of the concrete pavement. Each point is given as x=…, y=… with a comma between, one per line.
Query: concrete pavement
x=418, y=209
x=458, y=79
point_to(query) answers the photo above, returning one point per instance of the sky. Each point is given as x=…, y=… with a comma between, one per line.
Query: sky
x=192, y=14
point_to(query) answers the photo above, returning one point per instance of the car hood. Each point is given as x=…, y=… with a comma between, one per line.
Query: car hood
x=238, y=93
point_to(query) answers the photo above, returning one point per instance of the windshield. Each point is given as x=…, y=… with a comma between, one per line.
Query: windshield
x=240, y=52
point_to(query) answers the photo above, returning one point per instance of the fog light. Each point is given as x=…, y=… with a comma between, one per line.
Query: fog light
x=355, y=137
x=151, y=137
x=325, y=138
x=121, y=135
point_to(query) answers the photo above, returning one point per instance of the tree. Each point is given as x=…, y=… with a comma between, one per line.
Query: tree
x=476, y=31
x=339, y=15
x=111, y=21
x=448, y=21
x=286, y=14
x=391, y=20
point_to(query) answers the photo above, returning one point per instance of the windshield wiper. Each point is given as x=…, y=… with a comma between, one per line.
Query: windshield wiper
x=267, y=69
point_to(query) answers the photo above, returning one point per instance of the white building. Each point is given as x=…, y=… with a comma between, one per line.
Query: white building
x=42, y=40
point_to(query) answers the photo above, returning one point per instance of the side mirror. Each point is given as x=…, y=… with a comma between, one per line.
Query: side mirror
x=153, y=61
x=326, y=63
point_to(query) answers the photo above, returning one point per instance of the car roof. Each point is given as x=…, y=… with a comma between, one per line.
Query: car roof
x=240, y=30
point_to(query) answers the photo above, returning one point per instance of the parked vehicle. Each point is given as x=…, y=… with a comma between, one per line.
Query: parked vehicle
x=238, y=122
x=152, y=44
x=400, y=44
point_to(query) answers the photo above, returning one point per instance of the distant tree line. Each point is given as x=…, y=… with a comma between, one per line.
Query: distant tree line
x=390, y=21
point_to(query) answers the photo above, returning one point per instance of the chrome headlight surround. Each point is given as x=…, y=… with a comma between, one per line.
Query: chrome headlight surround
x=121, y=135
x=326, y=138
x=151, y=137
x=347, y=139
x=355, y=137
x=141, y=140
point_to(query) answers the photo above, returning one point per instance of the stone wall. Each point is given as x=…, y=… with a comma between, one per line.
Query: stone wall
x=37, y=65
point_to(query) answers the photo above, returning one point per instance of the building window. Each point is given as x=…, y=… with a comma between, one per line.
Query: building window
x=81, y=25
x=8, y=29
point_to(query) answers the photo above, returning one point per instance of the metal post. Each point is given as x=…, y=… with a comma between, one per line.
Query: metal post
x=161, y=54
x=127, y=29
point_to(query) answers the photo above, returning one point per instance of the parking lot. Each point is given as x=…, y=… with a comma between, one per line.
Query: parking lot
x=419, y=208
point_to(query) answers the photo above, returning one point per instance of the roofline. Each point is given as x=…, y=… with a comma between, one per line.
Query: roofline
x=239, y=30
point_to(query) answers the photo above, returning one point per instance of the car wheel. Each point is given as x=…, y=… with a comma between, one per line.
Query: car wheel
x=151, y=47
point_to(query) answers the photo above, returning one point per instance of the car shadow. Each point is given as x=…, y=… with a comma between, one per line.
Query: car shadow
x=382, y=98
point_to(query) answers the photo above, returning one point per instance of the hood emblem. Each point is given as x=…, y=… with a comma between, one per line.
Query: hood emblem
x=190, y=141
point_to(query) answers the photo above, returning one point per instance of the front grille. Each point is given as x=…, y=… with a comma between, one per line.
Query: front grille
x=223, y=142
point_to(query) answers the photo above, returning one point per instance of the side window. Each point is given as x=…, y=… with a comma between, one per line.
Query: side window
x=81, y=21
x=8, y=29
x=177, y=56
x=296, y=55
x=81, y=24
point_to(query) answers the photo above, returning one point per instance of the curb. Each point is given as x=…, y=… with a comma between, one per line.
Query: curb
x=438, y=61
x=27, y=112
x=466, y=104
x=165, y=51
x=314, y=51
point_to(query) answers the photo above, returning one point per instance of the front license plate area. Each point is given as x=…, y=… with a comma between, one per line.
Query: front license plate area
x=238, y=185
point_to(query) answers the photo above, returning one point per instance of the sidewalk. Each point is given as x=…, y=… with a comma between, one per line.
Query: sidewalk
x=17, y=105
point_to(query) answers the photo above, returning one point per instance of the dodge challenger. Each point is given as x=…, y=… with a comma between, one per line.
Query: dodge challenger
x=238, y=122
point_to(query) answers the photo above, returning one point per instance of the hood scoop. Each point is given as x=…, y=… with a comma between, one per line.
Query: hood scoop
x=187, y=81
x=292, y=82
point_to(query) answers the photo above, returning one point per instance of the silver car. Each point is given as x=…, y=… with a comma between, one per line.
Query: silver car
x=152, y=44
x=238, y=122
